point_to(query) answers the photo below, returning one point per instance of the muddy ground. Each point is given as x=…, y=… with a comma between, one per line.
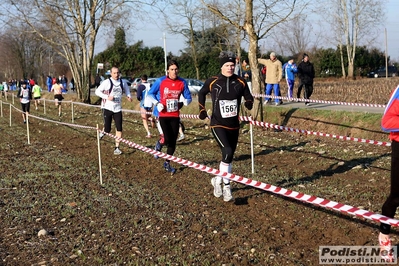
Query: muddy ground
x=141, y=215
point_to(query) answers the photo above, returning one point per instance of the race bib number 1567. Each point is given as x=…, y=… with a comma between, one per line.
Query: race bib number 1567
x=228, y=108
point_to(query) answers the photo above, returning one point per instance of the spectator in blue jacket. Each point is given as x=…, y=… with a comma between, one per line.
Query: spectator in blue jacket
x=64, y=83
x=289, y=70
x=49, y=83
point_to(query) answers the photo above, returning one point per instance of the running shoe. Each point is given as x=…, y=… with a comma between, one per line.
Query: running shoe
x=169, y=168
x=117, y=151
x=101, y=135
x=158, y=147
x=181, y=137
x=227, y=193
x=217, y=188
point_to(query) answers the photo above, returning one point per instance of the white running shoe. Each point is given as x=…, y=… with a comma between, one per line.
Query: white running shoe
x=181, y=137
x=227, y=193
x=117, y=151
x=217, y=188
x=101, y=135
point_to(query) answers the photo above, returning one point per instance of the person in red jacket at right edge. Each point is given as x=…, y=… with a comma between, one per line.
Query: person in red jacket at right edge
x=390, y=123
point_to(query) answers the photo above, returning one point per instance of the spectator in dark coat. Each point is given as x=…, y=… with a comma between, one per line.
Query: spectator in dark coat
x=306, y=75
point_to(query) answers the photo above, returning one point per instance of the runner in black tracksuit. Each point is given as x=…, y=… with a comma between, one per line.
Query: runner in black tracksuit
x=227, y=90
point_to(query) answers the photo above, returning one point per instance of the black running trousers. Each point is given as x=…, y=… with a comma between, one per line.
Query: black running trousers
x=227, y=140
x=392, y=202
x=170, y=128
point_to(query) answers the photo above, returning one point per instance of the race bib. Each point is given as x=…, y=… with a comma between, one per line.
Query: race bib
x=228, y=108
x=117, y=100
x=25, y=94
x=172, y=105
x=117, y=93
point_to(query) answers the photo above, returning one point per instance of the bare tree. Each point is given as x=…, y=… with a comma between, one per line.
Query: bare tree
x=9, y=64
x=352, y=22
x=296, y=35
x=71, y=30
x=182, y=17
x=260, y=18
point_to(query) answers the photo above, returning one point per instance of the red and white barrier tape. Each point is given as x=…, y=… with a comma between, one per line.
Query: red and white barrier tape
x=319, y=101
x=256, y=184
x=123, y=110
x=313, y=200
x=62, y=123
x=268, y=125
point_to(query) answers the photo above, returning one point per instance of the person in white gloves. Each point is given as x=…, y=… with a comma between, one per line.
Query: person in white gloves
x=165, y=94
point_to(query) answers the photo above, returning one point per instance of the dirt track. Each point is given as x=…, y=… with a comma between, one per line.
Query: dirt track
x=143, y=216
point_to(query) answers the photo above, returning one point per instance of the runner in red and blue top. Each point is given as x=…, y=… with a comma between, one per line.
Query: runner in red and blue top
x=227, y=90
x=390, y=123
x=165, y=93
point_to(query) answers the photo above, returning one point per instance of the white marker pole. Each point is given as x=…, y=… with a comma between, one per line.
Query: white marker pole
x=27, y=126
x=10, y=113
x=252, y=145
x=99, y=155
x=73, y=120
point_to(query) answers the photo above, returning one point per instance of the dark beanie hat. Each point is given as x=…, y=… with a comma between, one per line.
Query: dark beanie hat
x=305, y=55
x=226, y=59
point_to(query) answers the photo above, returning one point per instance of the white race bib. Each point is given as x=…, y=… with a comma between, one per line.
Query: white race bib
x=228, y=108
x=171, y=105
x=117, y=93
x=25, y=94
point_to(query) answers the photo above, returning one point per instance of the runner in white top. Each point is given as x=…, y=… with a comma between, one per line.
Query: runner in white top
x=111, y=90
x=25, y=95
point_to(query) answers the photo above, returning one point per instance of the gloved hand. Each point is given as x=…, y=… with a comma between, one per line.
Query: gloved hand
x=180, y=105
x=160, y=106
x=249, y=105
x=203, y=114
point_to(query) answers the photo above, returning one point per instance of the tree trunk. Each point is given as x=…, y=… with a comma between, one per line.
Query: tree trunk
x=351, y=70
x=342, y=61
x=257, y=113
